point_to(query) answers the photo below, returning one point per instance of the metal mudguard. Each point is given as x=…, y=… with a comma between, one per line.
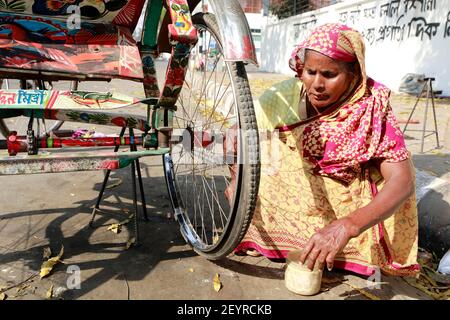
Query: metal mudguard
x=235, y=32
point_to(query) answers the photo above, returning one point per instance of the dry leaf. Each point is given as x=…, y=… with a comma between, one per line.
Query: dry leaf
x=3, y=296
x=115, y=227
x=47, y=266
x=47, y=253
x=49, y=293
x=130, y=242
x=428, y=285
x=422, y=288
x=430, y=280
x=216, y=282
x=364, y=292
x=445, y=295
x=114, y=184
x=441, y=278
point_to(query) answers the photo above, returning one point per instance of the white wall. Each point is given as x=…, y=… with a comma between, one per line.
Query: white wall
x=400, y=38
x=255, y=21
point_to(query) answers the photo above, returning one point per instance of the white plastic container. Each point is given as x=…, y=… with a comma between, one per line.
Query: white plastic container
x=444, y=264
x=298, y=278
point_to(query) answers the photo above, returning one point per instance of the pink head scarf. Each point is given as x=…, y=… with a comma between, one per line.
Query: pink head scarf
x=363, y=127
x=330, y=39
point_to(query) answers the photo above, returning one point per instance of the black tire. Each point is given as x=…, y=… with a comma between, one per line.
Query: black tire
x=201, y=229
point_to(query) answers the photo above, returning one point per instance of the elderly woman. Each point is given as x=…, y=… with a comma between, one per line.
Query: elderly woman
x=339, y=184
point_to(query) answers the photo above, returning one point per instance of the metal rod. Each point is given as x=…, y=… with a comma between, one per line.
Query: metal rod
x=23, y=84
x=133, y=184
x=55, y=143
x=141, y=190
x=105, y=181
x=414, y=108
x=434, y=115
x=141, y=185
x=425, y=117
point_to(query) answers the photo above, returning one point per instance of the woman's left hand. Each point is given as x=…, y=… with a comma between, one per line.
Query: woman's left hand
x=327, y=243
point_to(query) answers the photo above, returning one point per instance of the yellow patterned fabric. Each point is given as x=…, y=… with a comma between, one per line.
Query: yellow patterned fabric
x=294, y=202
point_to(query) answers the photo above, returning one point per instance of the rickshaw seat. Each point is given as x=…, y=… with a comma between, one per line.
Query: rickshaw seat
x=35, y=47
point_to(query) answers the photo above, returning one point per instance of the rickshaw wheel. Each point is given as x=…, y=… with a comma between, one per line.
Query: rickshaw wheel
x=213, y=174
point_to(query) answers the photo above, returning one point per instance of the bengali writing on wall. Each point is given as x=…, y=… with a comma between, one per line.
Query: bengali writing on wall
x=396, y=20
x=301, y=30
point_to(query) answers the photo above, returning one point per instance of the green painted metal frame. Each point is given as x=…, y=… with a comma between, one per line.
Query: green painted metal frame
x=69, y=162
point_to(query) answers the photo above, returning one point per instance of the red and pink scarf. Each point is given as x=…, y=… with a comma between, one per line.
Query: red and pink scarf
x=363, y=127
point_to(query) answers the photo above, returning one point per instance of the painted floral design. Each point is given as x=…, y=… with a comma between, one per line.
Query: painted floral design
x=47, y=44
x=119, y=12
x=150, y=81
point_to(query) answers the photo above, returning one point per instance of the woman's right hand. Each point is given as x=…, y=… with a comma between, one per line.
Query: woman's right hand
x=323, y=246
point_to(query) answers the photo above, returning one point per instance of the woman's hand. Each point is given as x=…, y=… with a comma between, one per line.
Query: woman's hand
x=327, y=243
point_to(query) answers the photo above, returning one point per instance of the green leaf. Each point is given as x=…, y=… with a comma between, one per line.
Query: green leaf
x=49, y=293
x=73, y=115
x=167, y=92
x=100, y=118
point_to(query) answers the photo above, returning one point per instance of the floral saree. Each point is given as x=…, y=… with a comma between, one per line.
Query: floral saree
x=318, y=170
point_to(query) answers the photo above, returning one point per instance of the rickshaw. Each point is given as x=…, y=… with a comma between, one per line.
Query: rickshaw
x=201, y=121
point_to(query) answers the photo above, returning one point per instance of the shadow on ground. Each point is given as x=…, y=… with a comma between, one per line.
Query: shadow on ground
x=25, y=234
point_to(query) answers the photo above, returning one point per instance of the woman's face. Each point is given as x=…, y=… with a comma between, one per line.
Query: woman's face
x=325, y=79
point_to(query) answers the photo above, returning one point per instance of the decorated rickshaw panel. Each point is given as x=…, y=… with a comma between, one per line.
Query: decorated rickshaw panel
x=119, y=12
x=44, y=44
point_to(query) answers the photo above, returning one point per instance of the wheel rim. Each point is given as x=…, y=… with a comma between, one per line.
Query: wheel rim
x=201, y=166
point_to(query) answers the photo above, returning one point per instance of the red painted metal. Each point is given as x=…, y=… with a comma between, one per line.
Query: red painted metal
x=18, y=144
